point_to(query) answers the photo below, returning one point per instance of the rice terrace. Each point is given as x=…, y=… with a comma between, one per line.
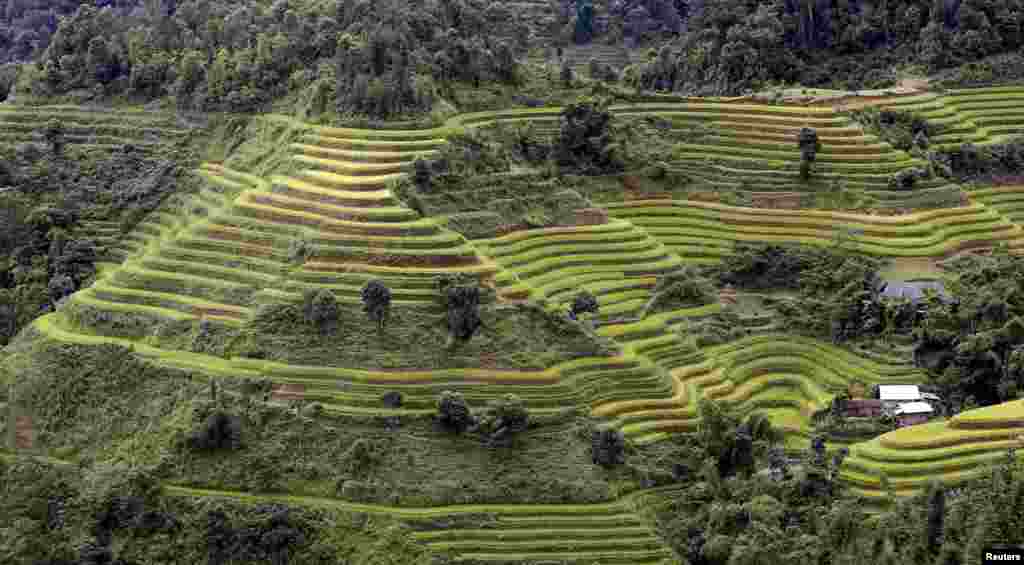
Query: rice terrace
x=542, y=282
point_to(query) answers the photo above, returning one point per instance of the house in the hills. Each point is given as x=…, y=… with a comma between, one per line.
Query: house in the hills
x=892, y=395
x=910, y=413
x=907, y=403
x=913, y=290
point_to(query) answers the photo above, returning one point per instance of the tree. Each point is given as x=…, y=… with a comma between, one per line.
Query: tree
x=585, y=142
x=743, y=451
x=376, y=301
x=421, y=174
x=60, y=286
x=320, y=308
x=809, y=147
x=608, y=447
x=504, y=417
x=453, y=411
x=584, y=30
x=462, y=304
x=566, y=74
x=583, y=302
x=936, y=517
x=219, y=430
x=778, y=464
x=837, y=408
x=392, y=399
x=53, y=133
x=76, y=260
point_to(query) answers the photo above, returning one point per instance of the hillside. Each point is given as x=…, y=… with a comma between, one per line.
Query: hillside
x=385, y=283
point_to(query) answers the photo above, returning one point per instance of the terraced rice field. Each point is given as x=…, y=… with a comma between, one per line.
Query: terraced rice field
x=616, y=262
x=359, y=230
x=105, y=128
x=584, y=382
x=200, y=265
x=1008, y=200
x=788, y=376
x=608, y=533
x=705, y=232
x=229, y=250
x=753, y=147
x=953, y=450
x=981, y=116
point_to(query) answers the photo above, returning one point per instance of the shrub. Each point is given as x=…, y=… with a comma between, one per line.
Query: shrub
x=906, y=179
x=566, y=74
x=362, y=457
x=583, y=302
x=53, y=133
x=687, y=287
x=320, y=308
x=392, y=399
x=504, y=417
x=220, y=430
x=608, y=447
x=454, y=412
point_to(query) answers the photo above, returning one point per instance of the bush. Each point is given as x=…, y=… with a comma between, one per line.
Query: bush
x=462, y=304
x=320, y=308
x=504, y=417
x=687, y=287
x=362, y=457
x=453, y=411
x=585, y=143
x=392, y=399
x=219, y=430
x=764, y=266
x=583, y=302
x=376, y=301
x=608, y=447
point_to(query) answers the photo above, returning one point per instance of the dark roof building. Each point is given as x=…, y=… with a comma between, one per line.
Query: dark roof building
x=914, y=290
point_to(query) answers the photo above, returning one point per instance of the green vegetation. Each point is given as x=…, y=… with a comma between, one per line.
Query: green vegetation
x=387, y=283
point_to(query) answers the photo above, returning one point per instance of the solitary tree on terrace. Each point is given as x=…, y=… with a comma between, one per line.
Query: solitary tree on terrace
x=320, y=308
x=608, y=447
x=53, y=133
x=809, y=147
x=462, y=303
x=376, y=301
x=453, y=412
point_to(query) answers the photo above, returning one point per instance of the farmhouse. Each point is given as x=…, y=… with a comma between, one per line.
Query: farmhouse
x=892, y=395
x=907, y=403
x=911, y=413
x=913, y=290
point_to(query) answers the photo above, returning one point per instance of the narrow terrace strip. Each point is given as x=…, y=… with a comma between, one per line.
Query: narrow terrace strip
x=933, y=233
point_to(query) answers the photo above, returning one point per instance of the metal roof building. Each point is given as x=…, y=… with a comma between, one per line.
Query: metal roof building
x=914, y=408
x=898, y=393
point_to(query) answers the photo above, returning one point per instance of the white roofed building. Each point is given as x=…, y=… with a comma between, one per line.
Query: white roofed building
x=910, y=413
x=899, y=393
